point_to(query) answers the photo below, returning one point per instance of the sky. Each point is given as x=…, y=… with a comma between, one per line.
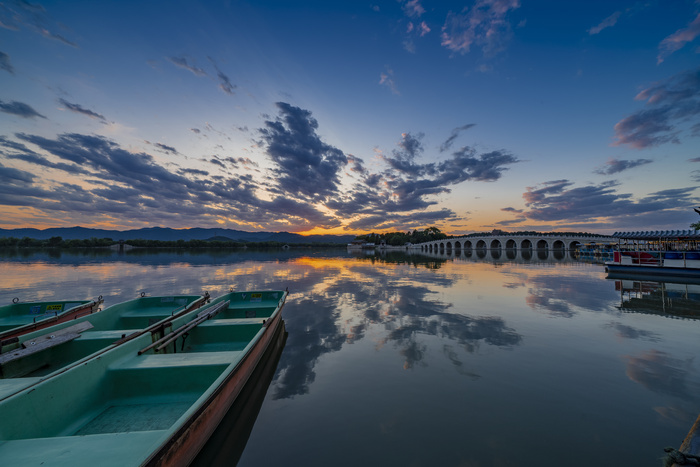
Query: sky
x=348, y=117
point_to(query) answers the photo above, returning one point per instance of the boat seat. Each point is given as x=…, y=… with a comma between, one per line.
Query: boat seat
x=233, y=321
x=109, y=334
x=151, y=361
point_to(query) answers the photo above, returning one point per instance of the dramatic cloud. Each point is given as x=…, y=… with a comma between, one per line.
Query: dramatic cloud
x=81, y=110
x=608, y=22
x=558, y=201
x=132, y=186
x=453, y=136
x=306, y=165
x=614, y=166
x=484, y=25
x=678, y=39
x=404, y=191
x=183, y=62
x=670, y=105
x=5, y=63
x=20, y=109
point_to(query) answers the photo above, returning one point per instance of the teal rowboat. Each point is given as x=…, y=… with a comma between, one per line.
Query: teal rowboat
x=23, y=317
x=35, y=356
x=153, y=400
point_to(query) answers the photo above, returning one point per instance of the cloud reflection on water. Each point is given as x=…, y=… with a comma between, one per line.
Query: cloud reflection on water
x=340, y=300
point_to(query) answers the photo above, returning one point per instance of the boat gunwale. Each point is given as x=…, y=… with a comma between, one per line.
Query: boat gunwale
x=200, y=299
x=212, y=394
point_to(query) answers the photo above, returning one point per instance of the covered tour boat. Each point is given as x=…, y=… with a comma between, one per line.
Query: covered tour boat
x=666, y=253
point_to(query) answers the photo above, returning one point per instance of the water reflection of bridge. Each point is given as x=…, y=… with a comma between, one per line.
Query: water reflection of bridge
x=513, y=242
x=495, y=255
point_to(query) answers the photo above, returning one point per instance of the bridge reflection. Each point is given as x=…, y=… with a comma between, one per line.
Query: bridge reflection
x=494, y=255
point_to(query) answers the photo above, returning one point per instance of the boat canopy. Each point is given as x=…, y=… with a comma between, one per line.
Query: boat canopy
x=659, y=234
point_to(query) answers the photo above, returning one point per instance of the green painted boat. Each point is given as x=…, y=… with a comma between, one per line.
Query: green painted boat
x=153, y=400
x=33, y=357
x=23, y=317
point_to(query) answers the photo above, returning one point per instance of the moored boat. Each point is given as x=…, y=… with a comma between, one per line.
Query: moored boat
x=35, y=356
x=153, y=400
x=23, y=317
x=667, y=253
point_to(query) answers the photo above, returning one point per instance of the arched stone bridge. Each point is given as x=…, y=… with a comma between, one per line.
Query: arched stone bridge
x=545, y=241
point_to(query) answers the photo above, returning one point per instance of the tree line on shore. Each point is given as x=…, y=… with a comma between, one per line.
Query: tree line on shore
x=390, y=238
x=58, y=242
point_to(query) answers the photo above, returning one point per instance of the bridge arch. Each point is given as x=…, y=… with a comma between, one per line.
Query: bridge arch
x=558, y=245
x=511, y=244
x=542, y=244
x=481, y=245
x=495, y=244
x=526, y=244
x=468, y=244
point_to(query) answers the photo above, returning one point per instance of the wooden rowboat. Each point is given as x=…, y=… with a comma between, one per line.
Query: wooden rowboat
x=153, y=400
x=32, y=357
x=23, y=317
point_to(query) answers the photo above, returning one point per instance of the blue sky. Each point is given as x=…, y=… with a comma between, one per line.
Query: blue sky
x=350, y=117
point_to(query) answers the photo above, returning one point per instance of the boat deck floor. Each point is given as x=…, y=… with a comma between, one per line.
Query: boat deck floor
x=105, y=449
x=135, y=417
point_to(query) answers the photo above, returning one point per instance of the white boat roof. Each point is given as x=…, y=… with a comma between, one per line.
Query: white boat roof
x=659, y=234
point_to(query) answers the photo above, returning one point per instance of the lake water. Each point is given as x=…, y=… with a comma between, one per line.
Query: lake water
x=424, y=361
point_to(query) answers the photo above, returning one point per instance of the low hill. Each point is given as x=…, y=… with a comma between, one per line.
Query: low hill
x=162, y=233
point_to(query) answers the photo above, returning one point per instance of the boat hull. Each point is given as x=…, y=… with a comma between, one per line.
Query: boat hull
x=186, y=443
x=653, y=270
x=68, y=315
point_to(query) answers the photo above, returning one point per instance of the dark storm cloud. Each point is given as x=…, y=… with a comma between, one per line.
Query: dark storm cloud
x=81, y=110
x=305, y=165
x=614, y=166
x=183, y=62
x=447, y=144
x=557, y=200
x=670, y=105
x=20, y=109
x=5, y=63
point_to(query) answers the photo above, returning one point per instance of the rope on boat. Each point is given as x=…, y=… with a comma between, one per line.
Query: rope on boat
x=201, y=317
x=674, y=456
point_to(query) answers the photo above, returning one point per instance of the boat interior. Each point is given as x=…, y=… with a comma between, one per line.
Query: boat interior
x=124, y=392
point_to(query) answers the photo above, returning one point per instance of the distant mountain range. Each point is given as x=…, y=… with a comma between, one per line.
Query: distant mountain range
x=160, y=233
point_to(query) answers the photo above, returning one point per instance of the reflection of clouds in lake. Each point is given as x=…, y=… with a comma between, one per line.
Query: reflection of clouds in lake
x=681, y=415
x=336, y=301
x=663, y=374
x=563, y=296
x=628, y=332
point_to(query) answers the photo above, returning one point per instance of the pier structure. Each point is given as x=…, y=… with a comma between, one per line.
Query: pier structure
x=517, y=242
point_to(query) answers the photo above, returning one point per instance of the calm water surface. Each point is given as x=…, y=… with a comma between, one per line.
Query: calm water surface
x=412, y=360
